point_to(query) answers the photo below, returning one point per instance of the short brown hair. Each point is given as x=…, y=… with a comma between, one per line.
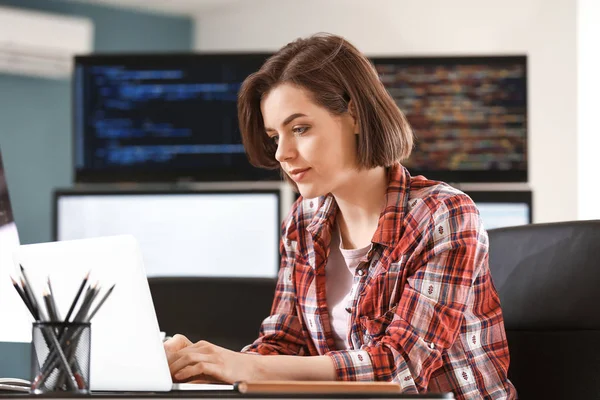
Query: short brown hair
x=334, y=72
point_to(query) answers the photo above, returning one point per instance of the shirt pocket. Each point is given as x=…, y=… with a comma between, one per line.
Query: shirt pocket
x=374, y=328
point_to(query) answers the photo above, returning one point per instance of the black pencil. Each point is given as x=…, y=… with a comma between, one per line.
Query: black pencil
x=92, y=299
x=34, y=310
x=100, y=303
x=76, y=299
x=85, y=304
x=22, y=295
x=28, y=289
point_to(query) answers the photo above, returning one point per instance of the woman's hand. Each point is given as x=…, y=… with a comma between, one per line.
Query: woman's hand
x=173, y=345
x=206, y=362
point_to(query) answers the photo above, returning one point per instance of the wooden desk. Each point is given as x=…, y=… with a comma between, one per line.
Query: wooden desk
x=219, y=395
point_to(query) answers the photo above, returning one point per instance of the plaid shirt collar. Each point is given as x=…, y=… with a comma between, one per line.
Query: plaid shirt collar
x=389, y=228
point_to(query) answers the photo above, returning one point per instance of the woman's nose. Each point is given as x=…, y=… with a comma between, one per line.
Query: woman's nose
x=285, y=149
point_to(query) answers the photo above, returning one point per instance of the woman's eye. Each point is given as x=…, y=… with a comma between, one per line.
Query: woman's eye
x=299, y=130
x=275, y=139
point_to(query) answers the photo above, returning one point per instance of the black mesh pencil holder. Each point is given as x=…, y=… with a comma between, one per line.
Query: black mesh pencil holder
x=60, y=357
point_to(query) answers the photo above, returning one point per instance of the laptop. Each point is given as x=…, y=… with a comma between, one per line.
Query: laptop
x=127, y=352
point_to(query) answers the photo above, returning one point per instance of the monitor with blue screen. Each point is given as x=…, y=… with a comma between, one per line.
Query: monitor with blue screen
x=161, y=118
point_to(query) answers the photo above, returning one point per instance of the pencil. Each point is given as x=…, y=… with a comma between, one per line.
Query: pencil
x=76, y=299
x=89, y=297
x=71, y=382
x=316, y=387
x=88, y=319
x=28, y=289
x=22, y=295
x=85, y=304
x=48, y=334
x=34, y=310
x=50, y=306
x=53, y=301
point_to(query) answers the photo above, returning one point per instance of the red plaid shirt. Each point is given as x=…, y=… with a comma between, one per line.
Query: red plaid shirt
x=423, y=311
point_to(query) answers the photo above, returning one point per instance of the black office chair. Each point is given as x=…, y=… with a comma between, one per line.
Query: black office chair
x=225, y=311
x=548, y=278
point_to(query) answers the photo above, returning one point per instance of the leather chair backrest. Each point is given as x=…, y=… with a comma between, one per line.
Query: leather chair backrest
x=548, y=280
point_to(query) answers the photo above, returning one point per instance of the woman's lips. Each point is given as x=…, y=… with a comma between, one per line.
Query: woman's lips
x=298, y=174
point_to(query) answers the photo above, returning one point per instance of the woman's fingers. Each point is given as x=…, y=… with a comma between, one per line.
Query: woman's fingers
x=184, y=359
x=201, y=360
x=176, y=343
x=203, y=344
x=208, y=372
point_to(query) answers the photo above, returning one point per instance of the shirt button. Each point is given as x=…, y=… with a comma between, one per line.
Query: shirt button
x=360, y=272
x=431, y=346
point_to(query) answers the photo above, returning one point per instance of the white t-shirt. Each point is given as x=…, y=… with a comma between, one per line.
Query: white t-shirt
x=340, y=270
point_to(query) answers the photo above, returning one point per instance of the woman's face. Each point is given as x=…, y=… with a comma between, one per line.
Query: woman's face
x=316, y=149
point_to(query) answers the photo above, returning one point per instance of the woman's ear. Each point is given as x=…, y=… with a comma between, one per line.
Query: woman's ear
x=354, y=115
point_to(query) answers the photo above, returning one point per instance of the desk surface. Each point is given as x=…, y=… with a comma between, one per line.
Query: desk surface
x=219, y=395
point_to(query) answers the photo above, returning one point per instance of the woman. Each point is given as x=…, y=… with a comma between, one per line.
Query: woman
x=383, y=276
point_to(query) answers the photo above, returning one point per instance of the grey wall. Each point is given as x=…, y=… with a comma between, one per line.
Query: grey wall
x=14, y=360
x=35, y=123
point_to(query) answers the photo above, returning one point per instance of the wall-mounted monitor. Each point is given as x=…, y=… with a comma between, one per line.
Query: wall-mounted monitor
x=469, y=115
x=181, y=233
x=499, y=209
x=161, y=118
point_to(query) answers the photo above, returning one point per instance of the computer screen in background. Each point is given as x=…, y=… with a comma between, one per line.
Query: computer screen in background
x=469, y=115
x=161, y=118
x=213, y=234
x=503, y=209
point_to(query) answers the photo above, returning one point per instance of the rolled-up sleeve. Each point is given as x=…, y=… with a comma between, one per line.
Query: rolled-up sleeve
x=281, y=332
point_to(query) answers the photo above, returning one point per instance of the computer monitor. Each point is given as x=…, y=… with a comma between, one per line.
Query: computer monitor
x=499, y=209
x=469, y=115
x=181, y=233
x=161, y=118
